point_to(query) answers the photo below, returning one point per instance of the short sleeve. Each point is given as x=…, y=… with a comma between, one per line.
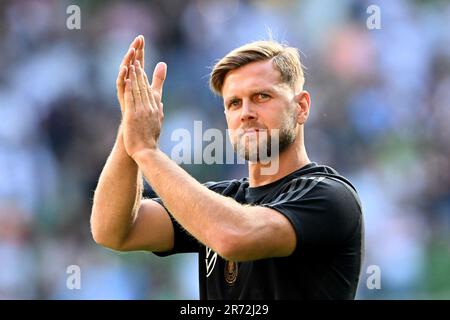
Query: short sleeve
x=184, y=242
x=323, y=212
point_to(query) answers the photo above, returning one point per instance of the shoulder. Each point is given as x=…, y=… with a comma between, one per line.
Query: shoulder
x=320, y=179
x=322, y=209
x=339, y=191
x=330, y=192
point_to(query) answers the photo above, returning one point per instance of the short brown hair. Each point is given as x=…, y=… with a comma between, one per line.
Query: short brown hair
x=285, y=59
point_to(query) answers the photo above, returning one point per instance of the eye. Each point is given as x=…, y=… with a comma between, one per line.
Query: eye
x=234, y=103
x=262, y=97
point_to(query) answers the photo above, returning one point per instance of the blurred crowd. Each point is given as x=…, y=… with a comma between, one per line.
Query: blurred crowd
x=380, y=115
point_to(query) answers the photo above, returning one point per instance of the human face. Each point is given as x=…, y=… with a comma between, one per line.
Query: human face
x=256, y=102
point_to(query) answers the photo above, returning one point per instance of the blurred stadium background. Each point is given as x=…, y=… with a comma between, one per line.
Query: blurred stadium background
x=380, y=116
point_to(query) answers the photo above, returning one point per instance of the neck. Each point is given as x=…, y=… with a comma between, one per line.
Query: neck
x=291, y=159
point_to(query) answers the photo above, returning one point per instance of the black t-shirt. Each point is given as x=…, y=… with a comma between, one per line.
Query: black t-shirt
x=325, y=212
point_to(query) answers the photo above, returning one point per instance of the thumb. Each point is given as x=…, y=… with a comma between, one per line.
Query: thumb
x=159, y=75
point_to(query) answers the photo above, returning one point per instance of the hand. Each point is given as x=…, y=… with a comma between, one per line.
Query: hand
x=135, y=52
x=143, y=114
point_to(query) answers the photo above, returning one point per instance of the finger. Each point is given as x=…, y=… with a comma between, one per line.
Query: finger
x=120, y=81
x=147, y=97
x=161, y=109
x=128, y=96
x=131, y=53
x=136, y=43
x=128, y=57
x=156, y=95
x=120, y=84
x=140, y=53
x=129, y=61
x=146, y=79
x=159, y=75
x=135, y=88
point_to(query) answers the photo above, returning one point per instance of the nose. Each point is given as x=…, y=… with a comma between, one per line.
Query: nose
x=248, y=111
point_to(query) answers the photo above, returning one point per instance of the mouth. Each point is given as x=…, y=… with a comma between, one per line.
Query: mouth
x=251, y=131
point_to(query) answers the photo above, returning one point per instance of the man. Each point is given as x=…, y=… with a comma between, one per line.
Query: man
x=294, y=234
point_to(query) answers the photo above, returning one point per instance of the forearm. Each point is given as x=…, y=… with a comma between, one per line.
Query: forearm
x=211, y=218
x=117, y=197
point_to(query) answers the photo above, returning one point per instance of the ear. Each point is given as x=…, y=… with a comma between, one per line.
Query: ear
x=303, y=100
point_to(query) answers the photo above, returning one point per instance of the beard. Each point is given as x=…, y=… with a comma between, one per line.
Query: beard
x=265, y=144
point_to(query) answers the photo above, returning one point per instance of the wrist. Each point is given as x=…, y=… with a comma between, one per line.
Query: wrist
x=119, y=145
x=143, y=154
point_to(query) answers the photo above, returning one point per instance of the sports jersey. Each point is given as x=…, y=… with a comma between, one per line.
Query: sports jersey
x=325, y=212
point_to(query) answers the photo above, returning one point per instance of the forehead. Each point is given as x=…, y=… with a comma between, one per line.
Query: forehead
x=252, y=76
